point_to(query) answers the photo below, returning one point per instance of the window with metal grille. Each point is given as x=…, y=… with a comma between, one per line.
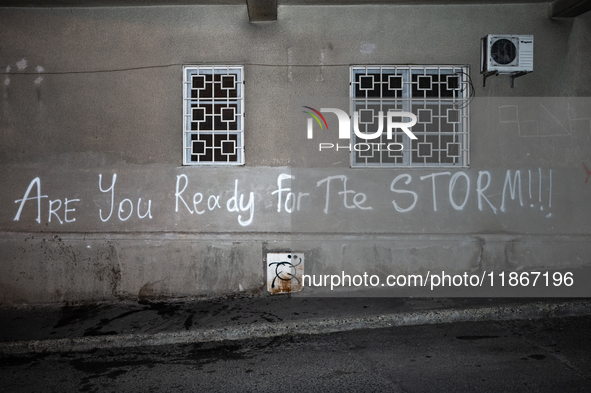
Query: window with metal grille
x=437, y=95
x=213, y=115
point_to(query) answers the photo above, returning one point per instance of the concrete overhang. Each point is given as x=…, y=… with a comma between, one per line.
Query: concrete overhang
x=570, y=8
x=266, y=10
x=138, y=3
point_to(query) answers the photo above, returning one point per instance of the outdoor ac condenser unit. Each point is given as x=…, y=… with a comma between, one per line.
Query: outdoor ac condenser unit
x=506, y=54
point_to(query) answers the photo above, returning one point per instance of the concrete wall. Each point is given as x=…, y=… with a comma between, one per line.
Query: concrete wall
x=93, y=92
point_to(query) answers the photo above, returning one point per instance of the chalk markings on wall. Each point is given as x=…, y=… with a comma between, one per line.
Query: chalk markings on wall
x=556, y=118
x=452, y=184
x=540, y=181
x=546, y=122
x=289, y=63
x=550, y=190
x=21, y=64
x=320, y=76
x=236, y=203
x=35, y=182
x=480, y=191
x=291, y=200
x=39, y=78
x=529, y=171
x=588, y=172
x=512, y=190
x=52, y=209
x=125, y=207
x=408, y=178
x=540, y=185
x=513, y=187
x=432, y=176
x=333, y=195
x=233, y=206
x=358, y=199
x=367, y=48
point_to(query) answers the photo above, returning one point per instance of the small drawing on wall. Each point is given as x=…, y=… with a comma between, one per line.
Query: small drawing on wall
x=284, y=272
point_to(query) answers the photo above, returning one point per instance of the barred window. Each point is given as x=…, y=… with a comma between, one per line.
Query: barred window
x=437, y=95
x=213, y=115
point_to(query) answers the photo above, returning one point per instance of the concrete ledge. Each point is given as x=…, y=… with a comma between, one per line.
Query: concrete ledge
x=110, y=267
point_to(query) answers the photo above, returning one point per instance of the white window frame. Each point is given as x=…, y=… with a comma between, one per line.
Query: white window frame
x=236, y=103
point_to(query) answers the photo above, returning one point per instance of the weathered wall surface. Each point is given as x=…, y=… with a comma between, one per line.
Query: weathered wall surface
x=95, y=204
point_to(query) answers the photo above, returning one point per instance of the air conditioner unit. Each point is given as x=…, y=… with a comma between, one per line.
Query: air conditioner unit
x=506, y=54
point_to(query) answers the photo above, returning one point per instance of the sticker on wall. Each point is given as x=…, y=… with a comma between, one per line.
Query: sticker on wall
x=284, y=272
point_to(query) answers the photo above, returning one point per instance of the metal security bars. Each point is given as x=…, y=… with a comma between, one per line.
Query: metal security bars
x=437, y=95
x=213, y=115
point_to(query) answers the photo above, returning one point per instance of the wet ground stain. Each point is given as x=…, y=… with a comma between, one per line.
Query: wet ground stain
x=71, y=315
x=74, y=314
x=475, y=337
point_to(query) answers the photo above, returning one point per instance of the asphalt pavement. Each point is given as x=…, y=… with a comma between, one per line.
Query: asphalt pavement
x=129, y=324
x=515, y=355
